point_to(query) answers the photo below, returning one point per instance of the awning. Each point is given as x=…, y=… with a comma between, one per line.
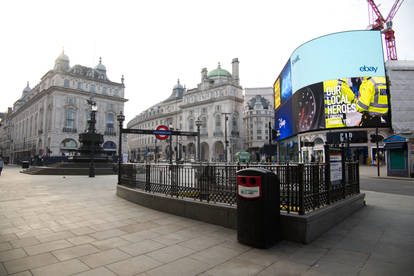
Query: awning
x=399, y=145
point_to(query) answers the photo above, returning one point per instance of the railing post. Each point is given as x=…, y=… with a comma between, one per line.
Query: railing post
x=327, y=165
x=301, y=184
x=344, y=174
x=315, y=182
x=289, y=188
x=173, y=181
x=357, y=177
x=147, y=177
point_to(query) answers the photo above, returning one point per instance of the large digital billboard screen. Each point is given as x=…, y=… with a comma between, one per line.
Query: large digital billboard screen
x=334, y=81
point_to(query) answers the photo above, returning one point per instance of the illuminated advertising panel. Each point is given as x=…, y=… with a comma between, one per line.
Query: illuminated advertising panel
x=286, y=121
x=286, y=82
x=276, y=91
x=335, y=81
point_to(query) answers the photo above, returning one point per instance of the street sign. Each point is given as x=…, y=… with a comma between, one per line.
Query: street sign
x=162, y=132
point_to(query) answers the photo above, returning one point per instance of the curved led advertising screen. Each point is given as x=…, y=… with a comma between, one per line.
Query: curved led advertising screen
x=334, y=81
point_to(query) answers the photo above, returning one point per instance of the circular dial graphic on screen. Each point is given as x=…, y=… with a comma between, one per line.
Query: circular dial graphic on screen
x=306, y=109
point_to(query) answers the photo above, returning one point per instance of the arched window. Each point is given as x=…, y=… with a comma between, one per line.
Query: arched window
x=318, y=141
x=69, y=144
x=70, y=118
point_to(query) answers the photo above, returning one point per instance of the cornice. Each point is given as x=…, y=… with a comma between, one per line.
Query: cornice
x=55, y=89
x=53, y=73
x=209, y=101
x=196, y=89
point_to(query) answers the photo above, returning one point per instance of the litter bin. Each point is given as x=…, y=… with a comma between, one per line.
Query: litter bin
x=25, y=164
x=258, y=207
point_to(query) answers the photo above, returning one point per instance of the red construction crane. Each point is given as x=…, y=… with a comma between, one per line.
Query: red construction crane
x=379, y=22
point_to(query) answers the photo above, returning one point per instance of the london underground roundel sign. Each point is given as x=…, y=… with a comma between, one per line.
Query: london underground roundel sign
x=161, y=129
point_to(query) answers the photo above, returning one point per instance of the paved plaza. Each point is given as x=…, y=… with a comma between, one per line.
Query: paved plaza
x=76, y=225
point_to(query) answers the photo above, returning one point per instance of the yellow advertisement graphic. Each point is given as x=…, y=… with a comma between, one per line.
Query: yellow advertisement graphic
x=361, y=101
x=276, y=89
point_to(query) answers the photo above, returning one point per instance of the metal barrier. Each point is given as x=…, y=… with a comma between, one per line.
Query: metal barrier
x=303, y=187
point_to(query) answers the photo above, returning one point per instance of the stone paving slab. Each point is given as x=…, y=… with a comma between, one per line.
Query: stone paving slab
x=76, y=225
x=65, y=268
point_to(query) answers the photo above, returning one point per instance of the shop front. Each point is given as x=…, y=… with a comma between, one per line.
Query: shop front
x=399, y=155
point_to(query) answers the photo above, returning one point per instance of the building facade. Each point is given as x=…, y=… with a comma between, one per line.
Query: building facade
x=47, y=119
x=217, y=102
x=258, y=114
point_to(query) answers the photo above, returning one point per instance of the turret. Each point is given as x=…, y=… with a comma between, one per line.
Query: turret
x=235, y=70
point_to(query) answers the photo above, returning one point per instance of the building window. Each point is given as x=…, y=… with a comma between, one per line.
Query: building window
x=70, y=100
x=191, y=124
x=218, y=121
x=116, y=92
x=70, y=118
x=92, y=88
x=31, y=122
x=110, y=121
x=234, y=121
x=104, y=90
x=204, y=124
x=80, y=85
x=66, y=83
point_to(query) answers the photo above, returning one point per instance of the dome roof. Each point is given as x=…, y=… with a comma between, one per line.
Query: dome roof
x=27, y=89
x=258, y=102
x=178, y=85
x=62, y=57
x=218, y=72
x=100, y=66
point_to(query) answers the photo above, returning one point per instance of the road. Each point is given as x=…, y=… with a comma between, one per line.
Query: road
x=390, y=186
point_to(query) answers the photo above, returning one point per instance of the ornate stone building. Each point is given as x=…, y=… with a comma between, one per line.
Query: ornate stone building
x=48, y=118
x=258, y=112
x=217, y=102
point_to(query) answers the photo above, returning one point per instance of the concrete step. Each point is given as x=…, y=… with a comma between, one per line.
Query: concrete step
x=66, y=171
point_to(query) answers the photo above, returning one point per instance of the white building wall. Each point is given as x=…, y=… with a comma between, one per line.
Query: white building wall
x=401, y=83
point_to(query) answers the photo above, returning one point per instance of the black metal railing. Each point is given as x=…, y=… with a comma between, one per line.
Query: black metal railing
x=69, y=129
x=303, y=187
x=110, y=132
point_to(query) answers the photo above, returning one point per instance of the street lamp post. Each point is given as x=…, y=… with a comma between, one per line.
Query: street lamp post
x=198, y=123
x=176, y=148
x=121, y=118
x=92, y=129
x=171, y=148
x=278, y=145
x=226, y=143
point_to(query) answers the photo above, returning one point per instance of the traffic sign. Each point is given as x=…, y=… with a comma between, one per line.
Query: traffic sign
x=162, y=132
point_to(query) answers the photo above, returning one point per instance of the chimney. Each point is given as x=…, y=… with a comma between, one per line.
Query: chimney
x=235, y=70
x=203, y=74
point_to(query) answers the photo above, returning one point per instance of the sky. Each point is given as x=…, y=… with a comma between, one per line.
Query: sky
x=154, y=43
